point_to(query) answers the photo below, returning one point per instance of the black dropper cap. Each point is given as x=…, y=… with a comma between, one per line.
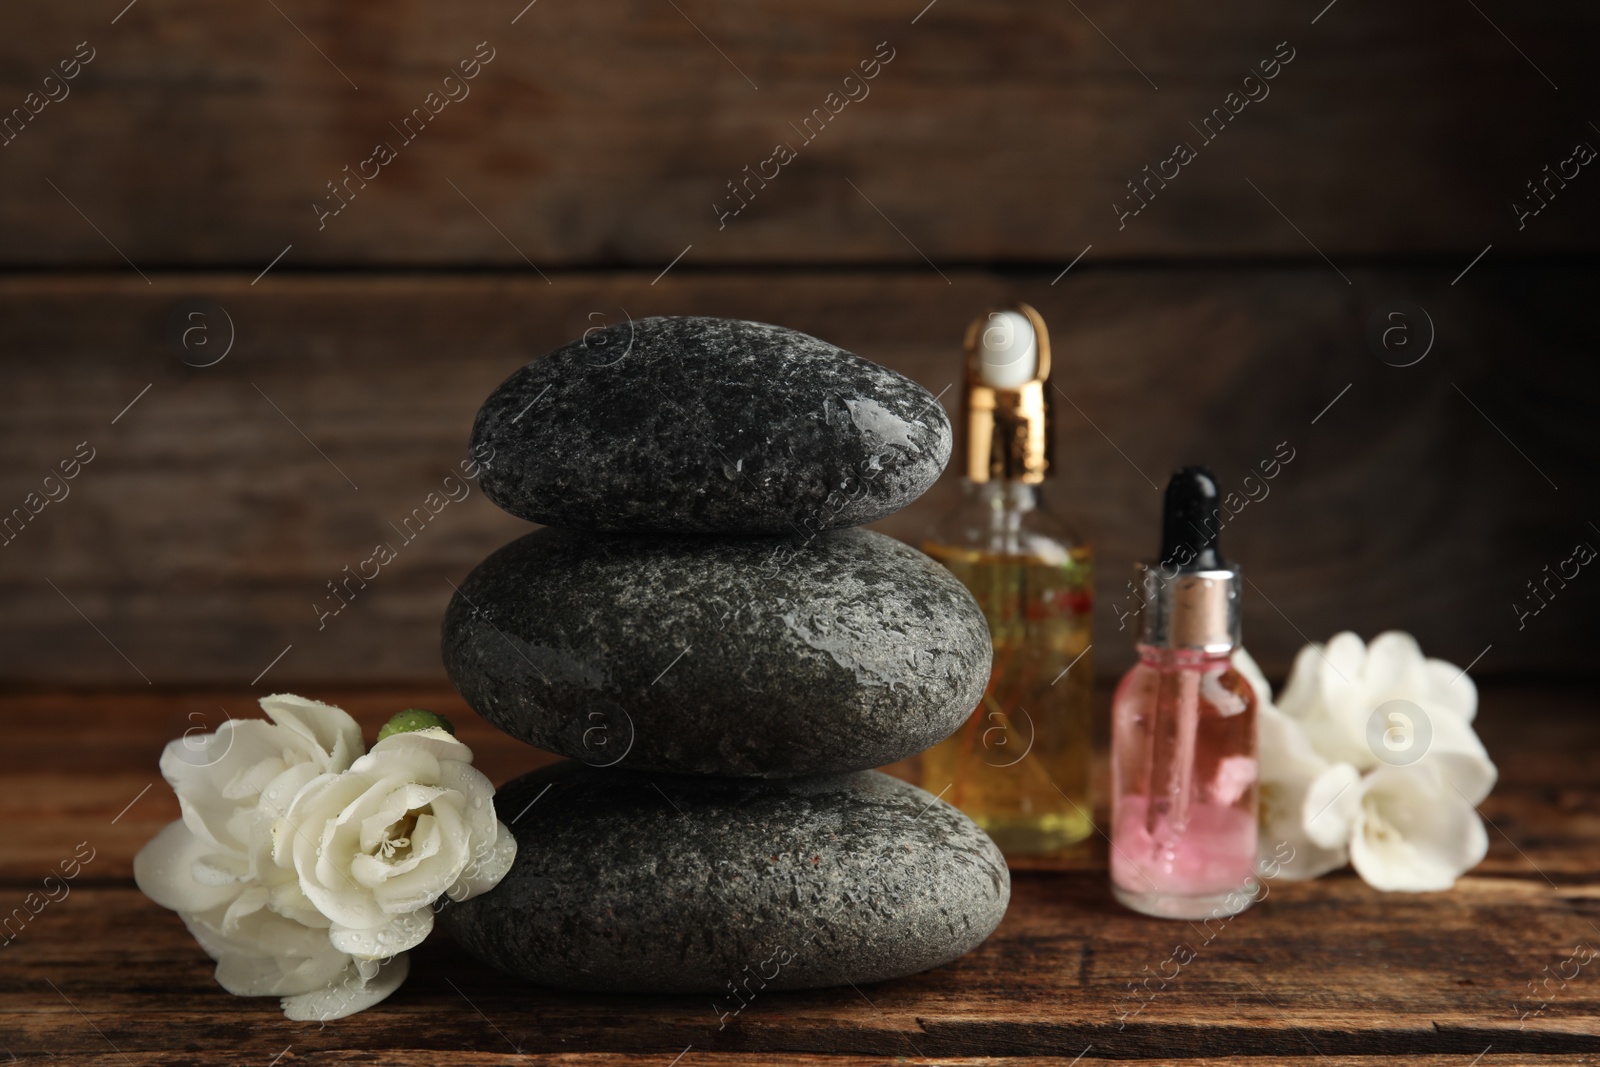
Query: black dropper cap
x=1190, y=522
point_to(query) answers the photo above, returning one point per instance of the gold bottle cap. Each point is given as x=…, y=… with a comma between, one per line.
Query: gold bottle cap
x=1006, y=400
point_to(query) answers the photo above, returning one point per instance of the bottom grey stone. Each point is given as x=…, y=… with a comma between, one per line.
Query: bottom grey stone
x=634, y=882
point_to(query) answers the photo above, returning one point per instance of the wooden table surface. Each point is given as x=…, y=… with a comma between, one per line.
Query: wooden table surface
x=1323, y=972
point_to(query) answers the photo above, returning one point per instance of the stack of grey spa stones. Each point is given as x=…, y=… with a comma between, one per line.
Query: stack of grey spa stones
x=723, y=658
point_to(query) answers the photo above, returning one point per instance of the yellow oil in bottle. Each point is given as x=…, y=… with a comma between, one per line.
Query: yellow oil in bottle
x=1019, y=767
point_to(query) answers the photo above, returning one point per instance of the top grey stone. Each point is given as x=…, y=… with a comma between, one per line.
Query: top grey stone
x=705, y=425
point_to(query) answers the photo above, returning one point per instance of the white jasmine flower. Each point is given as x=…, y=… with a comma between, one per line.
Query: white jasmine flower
x=1387, y=704
x=1413, y=831
x=1410, y=824
x=1327, y=694
x=376, y=845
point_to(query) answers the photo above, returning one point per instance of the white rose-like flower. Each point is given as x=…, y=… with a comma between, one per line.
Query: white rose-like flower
x=229, y=867
x=376, y=845
x=245, y=774
x=214, y=867
x=260, y=950
x=1413, y=831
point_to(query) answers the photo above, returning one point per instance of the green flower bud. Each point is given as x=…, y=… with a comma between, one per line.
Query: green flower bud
x=413, y=719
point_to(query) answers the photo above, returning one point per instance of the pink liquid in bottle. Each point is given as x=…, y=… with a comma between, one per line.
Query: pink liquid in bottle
x=1184, y=776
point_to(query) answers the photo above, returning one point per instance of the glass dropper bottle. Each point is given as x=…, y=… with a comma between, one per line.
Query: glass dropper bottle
x=1183, y=728
x=1019, y=767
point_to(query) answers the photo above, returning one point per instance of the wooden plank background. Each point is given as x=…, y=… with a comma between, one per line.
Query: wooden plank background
x=585, y=179
x=1223, y=319
x=602, y=133
x=201, y=537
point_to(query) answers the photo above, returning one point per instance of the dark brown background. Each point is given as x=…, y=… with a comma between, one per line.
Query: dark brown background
x=598, y=139
x=987, y=157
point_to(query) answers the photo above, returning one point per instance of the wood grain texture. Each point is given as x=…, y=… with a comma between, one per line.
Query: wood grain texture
x=200, y=540
x=1317, y=972
x=432, y=1058
x=419, y=1057
x=603, y=134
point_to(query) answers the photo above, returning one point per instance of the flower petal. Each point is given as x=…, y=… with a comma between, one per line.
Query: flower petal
x=1285, y=751
x=1345, y=660
x=205, y=771
x=1414, y=833
x=1330, y=806
x=1289, y=766
x=1303, y=692
x=278, y=794
x=164, y=871
x=487, y=866
x=392, y=808
x=248, y=975
x=1338, y=731
x=1452, y=688
x=330, y=729
x=349, y=995
x=426, y=883
x=1395, y=669
x=440, y=744
x=400, y=934
x=1460, y=757
x=262, y=954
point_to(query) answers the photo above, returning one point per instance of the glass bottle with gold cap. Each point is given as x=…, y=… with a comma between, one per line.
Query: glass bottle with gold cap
x=1020, y=765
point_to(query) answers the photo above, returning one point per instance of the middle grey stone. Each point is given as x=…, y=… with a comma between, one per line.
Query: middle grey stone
x=720, y=655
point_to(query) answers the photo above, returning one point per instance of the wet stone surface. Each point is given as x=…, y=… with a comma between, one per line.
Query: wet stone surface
x=718, y=655
x=708, y=425
x=661, y=883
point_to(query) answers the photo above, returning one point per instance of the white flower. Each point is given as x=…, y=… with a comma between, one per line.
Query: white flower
x=1411, y=823
x=267, y=806
x=1413, y=832
x=1386, y=704
x=214, y=867
x=261, y=947
x=233, y=783
x=375, y=846
x=259, y=950
x=1294, y=785
x=363, y=984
